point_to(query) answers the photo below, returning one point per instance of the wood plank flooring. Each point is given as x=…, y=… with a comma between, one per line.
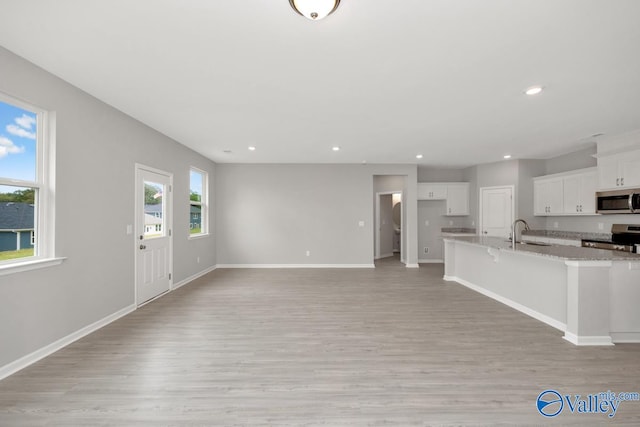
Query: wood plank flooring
x=384, y=347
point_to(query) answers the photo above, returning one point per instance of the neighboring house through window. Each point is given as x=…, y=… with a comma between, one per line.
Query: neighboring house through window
x=198, y=202
x=25, y=180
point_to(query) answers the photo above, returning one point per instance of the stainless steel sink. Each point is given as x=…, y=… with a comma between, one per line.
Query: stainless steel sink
x=535, y=243
x=531, y=243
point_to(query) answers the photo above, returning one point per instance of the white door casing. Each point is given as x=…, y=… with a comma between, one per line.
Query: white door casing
x=496, y=211
x=153, y=259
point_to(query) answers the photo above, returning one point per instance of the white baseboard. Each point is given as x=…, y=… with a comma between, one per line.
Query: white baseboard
x=296, y=266
x=430, y=261
x=23, y=362
x=515, y=305
x=587, y=340
x=625, y=337
x=412, y=265
x=47, y=350
x=193, y=277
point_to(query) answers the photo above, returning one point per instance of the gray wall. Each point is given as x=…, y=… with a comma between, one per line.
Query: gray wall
x=577, y=160
x=273, y=214
x=97, y=147
x=426, y=174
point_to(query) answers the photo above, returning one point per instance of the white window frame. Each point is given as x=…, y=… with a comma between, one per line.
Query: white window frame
x=204, y=203
x=44, y=185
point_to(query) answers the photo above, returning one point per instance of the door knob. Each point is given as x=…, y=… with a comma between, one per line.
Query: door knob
x=143, y=247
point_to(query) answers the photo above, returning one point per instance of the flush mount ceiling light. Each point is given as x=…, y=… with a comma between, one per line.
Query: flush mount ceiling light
x=252, y=148
x=314, y=9
x=507, y=156
x=533, y=90
x=418, y=156
x=336, y=148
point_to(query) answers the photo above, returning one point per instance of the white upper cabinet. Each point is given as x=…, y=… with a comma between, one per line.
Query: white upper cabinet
x=548, y=196
x=432, y=191
x=620, y=170
x=458, y=199
x=570, y=193
x=456, y=195
x=579, y=193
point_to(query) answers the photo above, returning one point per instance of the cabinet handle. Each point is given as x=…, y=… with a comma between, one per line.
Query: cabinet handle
x=622, y=181
x=580, y=208
x=617, y=182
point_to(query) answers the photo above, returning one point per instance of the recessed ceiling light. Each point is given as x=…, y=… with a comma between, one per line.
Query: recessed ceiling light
x=252, y=148
x=507, y=156
x=336, y=148
x=533, y=90
x=419, y=156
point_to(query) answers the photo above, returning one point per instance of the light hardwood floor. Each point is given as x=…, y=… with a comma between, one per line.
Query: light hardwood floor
x=390, y=346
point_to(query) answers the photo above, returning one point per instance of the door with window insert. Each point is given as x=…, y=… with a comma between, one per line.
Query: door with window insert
x=153, y=233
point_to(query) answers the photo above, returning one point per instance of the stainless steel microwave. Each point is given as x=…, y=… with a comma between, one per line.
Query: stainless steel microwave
x=618, y=201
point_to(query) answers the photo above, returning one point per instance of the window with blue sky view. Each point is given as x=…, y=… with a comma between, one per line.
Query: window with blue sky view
x=18, y=181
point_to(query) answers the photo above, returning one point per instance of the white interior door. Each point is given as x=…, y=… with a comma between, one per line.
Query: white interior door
x=496, y=211
x=153, y=233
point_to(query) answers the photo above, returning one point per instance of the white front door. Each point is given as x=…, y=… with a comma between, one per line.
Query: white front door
x=496, y=211
x=153, y=233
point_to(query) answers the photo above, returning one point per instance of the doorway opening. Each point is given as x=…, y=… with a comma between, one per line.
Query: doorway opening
x=389, y=218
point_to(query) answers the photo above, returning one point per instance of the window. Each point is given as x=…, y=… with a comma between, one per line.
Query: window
x=25, y=182
x=198, y=203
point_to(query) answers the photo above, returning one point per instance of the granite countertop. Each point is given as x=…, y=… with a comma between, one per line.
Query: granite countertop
x=568, y=235
x=565, y=253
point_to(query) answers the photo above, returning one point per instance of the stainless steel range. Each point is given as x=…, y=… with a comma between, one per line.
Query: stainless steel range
x=624, y=237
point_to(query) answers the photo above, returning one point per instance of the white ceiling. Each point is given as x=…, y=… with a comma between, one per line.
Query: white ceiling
x=384, y=80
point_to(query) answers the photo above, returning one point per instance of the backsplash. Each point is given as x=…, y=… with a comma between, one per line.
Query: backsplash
x=569, y=235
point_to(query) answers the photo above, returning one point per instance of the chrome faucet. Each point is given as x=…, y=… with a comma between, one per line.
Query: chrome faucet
x=514, y=240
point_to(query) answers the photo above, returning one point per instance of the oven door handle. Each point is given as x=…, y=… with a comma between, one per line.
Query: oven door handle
x=631, y=199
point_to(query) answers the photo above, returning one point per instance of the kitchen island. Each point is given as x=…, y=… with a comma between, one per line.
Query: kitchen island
x=592, y=295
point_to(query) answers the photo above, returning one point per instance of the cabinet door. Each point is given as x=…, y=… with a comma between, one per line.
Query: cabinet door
x=548, y=197
x=608, y=176
x=555, y=196
x=539, y=198
x=429, y=191
x=439, y=191
x=629, y=165
x=587, y=197
x=571, y=193
x=458, y=199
